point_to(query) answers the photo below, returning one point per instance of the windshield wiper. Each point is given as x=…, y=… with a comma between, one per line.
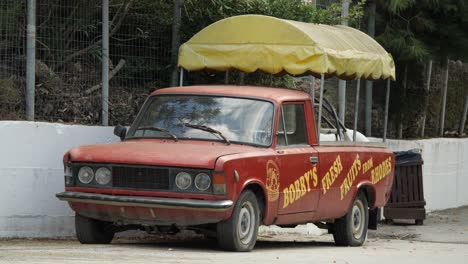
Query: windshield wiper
x=208, y=129
x=158, y=129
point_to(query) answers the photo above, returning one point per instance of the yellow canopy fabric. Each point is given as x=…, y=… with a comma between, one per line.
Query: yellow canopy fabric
x=253, y=42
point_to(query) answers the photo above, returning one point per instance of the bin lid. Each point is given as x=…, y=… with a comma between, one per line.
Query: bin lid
x=408, y=157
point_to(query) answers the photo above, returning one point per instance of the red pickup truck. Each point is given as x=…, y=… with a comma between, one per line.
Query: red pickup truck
x=224, y=160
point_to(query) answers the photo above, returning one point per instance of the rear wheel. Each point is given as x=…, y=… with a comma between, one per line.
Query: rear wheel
x=92, y=231
x=239, y=232
x=351, y=229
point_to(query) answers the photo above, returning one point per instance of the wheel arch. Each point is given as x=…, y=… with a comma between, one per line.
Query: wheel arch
x=369, y=191
x=259, y=191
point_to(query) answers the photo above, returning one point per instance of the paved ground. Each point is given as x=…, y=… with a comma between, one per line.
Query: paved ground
x=442, y=239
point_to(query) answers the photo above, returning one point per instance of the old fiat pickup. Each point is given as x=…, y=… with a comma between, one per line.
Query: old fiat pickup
x=223, y=160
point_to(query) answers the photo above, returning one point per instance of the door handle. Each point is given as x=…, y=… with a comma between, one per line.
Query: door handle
x=314, y=160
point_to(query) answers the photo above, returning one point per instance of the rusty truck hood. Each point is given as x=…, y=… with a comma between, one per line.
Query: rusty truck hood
x=158, y=152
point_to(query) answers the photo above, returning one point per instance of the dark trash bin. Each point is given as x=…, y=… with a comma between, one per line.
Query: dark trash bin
x=407, y=198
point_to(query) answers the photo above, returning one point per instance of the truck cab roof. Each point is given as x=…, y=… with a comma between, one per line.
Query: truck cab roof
x=277, y=95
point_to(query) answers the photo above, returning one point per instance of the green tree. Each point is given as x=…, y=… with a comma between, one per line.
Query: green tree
x=416, y=32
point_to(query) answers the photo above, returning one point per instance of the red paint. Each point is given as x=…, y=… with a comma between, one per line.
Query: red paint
x=291, y=166
x=162, y=152
x=276, y=95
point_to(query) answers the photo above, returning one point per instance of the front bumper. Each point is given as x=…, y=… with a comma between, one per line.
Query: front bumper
x=146, y=210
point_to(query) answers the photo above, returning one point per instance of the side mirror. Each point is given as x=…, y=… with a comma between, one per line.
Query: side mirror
x=120, y=131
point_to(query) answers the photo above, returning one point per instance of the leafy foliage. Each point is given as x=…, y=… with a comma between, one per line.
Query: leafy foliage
x=397, y=6
x=201, y=13
x=419, y=30
x=415, y=32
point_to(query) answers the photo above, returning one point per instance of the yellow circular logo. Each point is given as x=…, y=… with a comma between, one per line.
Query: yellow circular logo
x=272, y=181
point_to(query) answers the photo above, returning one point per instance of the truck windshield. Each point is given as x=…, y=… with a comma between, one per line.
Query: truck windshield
x=237, y=120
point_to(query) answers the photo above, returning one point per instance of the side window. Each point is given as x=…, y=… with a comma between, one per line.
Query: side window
x=292, y=119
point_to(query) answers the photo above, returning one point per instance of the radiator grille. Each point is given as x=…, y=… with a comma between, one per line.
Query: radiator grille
x=140, y=178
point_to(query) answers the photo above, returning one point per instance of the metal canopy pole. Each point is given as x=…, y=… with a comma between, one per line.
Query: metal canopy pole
x=312, y=90
x=226, y=77
x=30, y=60
x=284, y=126
x=105, y=62
x=181, y=80
x=319, y=121
x=356, y=109
x=387, y=98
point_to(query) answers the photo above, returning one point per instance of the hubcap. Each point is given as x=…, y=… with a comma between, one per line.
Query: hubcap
x=358, y=219
x=246, y=223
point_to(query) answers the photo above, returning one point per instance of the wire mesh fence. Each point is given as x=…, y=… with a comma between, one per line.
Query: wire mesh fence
x=12, y=59
x=68, y=59
x=68, y=65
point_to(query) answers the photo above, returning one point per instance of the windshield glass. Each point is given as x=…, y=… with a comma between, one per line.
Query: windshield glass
x=237, y=119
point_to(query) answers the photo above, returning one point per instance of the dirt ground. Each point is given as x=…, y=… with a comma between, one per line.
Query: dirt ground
x=442, y=239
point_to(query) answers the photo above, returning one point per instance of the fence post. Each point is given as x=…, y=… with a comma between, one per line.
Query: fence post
x=426, y=99
x=105, y=62
x=342, y=83
x=30, y=59
x=444, y=98
x=369, y=84
x=465, y=112
x=175, y=40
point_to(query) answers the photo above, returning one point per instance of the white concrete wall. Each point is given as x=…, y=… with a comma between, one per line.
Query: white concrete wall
x=445, y=170
x=31, y=174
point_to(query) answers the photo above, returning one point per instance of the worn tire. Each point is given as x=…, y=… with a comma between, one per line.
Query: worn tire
x=239, y=232
x=351, y=229
x=91, y=231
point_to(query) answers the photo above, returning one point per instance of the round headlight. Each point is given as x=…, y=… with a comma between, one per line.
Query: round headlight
x=183, y=180
x=103, y=176
x=85, y=175
x=202, y=181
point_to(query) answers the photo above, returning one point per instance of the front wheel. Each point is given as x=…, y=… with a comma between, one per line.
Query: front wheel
x=239, y=232
x=351, y=229
x=92, y=231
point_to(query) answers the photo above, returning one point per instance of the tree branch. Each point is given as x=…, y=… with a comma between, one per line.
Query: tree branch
x=114, y=29
x=114, y=71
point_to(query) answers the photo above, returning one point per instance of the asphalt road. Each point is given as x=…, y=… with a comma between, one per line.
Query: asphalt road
x=375, y=251
x=443, y=239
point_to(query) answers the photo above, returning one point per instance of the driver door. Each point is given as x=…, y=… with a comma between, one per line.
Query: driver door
x=297, y=161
